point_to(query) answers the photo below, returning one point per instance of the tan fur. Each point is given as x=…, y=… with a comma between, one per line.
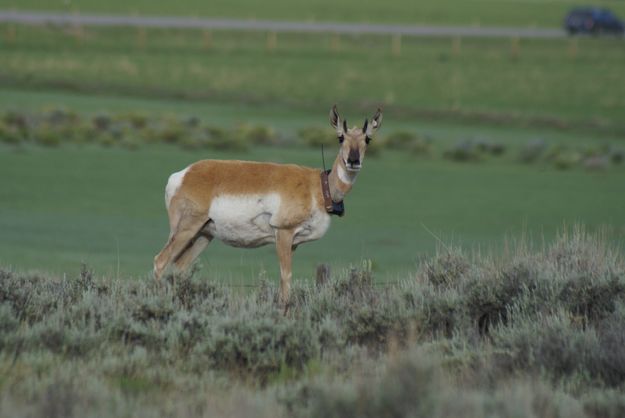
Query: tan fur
x=210, y=178
x=299, y=190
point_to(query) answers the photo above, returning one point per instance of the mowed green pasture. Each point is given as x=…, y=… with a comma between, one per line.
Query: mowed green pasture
x=570, y=83
x=444, y=12
x=105, y=207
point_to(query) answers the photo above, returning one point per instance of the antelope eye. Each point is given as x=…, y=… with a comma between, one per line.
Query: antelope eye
x=341, y=139
x=367, y=139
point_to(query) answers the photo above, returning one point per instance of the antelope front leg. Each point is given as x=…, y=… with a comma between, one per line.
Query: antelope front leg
x=284, y=242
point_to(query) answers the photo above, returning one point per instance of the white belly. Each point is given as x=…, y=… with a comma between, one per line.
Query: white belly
x=251, y=221
x=244, y=221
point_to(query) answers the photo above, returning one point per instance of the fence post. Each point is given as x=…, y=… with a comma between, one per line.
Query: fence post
x=207, y=39
x=515, y=47
x=456, y=45
x=323, y=274
x=335, y=42
x=573, y=48
x=396, y=45
x=272, y=41
x=141, y=37
x=79, y=34
x=10, y=34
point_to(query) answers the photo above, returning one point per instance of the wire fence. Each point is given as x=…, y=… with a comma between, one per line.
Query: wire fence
x=76, y=22
x=258, y=285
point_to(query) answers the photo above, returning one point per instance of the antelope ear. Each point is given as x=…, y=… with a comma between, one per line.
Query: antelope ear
x=336, y=121
x=376, y=122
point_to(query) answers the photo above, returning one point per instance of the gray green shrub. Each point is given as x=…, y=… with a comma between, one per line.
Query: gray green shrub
x=537, y=333
x=408, y=141
x=314, y=136
x=9, y=134
x=462, y=151
x=533, y=151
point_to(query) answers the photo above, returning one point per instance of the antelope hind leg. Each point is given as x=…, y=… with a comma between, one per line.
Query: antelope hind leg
x=187, y=229
x=186, y=258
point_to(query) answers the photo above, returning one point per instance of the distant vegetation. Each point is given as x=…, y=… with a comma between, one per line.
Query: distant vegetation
x=531, y=333
x=535, y=83
x=132, y=130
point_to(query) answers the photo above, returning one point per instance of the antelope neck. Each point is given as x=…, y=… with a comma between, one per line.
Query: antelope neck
x=335, y=184
x=331, y=206
x=341, y=180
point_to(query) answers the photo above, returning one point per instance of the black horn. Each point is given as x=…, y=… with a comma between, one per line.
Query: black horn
x=364, y=128
x=334, y=117
x=345, y=125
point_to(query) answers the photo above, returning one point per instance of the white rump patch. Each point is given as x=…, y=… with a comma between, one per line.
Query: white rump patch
x=173, y=184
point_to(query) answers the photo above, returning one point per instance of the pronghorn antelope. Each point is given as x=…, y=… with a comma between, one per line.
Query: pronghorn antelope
x=250, y=204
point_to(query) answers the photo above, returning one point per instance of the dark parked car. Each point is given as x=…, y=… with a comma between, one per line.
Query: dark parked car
x=592, y=20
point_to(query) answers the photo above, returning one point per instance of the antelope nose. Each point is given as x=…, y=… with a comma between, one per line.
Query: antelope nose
x=354, y=157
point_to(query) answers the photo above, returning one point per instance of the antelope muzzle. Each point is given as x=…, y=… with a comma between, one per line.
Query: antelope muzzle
x=353, y=160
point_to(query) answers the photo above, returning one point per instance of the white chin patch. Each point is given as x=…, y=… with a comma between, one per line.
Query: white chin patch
x=347, y=177
x=351, y=168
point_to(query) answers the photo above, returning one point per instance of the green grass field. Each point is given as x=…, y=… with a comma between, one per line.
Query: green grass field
x=445, y=12
x=540, y=83
x=104, y=207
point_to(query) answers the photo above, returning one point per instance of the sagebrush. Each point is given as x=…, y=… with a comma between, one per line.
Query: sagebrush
x=535, y=333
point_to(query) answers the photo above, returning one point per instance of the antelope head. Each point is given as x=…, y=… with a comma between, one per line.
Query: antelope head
x=354, y=141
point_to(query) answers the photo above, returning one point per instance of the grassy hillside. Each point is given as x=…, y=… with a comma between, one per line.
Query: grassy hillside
x=445, y=12
x=531, y=333
x=492, y=80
